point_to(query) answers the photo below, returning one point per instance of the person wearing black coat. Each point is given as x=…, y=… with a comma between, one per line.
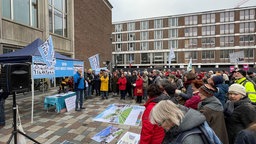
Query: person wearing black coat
x=3, y=96
x=247, y=136
x=239, y=112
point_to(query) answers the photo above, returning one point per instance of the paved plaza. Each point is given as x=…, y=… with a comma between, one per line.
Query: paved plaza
x=54, y=128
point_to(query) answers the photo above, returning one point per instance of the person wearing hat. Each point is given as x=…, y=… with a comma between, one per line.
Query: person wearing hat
x=212, y=109
x=222, y=88
x=239, y=112
x=240, y=76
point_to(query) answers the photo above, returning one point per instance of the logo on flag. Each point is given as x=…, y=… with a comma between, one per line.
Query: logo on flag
x=189, y=68
x=47, y=52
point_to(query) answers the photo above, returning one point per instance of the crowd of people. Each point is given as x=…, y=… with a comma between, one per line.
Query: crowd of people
x=179, y=104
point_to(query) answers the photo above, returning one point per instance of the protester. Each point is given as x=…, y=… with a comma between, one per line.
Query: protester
x=221, y=87
x=122, y=86
x=177, y=120
x=152, y=133
x=104, y=86
x=240, y=76
x=114, y=84
x=138, y=90
x=247, y=136
x=79, y=88
x=195, y=99
x=169, y=89
x=239, y=112
x=172, y=78
x=145, y=84
x=212, y=109
x=3, y=96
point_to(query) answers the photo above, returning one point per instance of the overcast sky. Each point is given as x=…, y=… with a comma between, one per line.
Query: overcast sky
x=138, y=9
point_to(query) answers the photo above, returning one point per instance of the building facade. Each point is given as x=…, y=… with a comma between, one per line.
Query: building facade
x=93, y=28
x=24, y=21
x=208, y=38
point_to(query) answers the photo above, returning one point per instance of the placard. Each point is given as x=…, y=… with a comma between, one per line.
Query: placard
x=129, y=138
x=70, y=103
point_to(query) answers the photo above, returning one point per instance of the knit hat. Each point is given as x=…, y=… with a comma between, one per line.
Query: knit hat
x=237, y=88
x=217, y=80
x=206, y=90
x=242, y=72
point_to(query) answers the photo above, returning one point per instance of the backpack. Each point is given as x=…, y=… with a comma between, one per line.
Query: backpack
x=206, y=133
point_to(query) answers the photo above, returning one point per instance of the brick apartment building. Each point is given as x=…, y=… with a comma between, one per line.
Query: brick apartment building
x=93, y=28
x=206, y=37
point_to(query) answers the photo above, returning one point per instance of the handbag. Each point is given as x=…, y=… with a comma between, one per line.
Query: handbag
x=139, y=91
x=21, y=139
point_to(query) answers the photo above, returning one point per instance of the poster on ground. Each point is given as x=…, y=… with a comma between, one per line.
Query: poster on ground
x=107, y=134
x=121, y=114
x=129, y=138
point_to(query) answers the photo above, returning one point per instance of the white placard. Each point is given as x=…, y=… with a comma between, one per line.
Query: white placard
x=129, y=138
x=70, y=103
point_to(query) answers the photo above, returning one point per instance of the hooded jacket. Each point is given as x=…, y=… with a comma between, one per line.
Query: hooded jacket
x=192, y=119
x=212, y=109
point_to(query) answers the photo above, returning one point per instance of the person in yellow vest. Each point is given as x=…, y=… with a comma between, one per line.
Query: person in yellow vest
x=240, y=76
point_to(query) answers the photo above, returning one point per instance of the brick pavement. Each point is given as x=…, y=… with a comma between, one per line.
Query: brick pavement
x=54, y=128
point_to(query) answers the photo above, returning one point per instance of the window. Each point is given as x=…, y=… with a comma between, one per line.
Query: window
x=144, y=35
x=227, y=41
x=144, y=25
x=158, y=34
x=119, y=47
x=191, y=43
x=145, y=58
x=158, y=58
x=131, y=26
x=118, y=37
x=207, y=55
x=58, y=17
x=119, y=59
x=247, y=27
x=158, y=23
x=248, y=53
x=173, y=33
x=173, y=44
x=224, y=54
x=190, y=32
x=131, y=37
x=227, y=16
x=247, y=14
x=158, y=45
x=144, y=46
x=208, y=30
x=208, y=42
x=131, y=46
x=208, y=18
x=191, y=20
x=130, y=58
x=24, y=11
x=172, y=22
x=227, y=29
x=118, y=27
x=191, y=54
x=247, y=40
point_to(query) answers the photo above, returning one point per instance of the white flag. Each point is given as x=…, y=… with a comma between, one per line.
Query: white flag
x=171, y=56
x=189, y=68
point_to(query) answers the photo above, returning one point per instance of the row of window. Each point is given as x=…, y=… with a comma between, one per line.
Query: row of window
x=248, y=27
x=26, y=12
x=163, y=57
x=209, y=42
x=191, y=20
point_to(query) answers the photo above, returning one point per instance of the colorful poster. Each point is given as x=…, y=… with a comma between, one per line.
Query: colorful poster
x=129, y=138
x=94, y=61
x=107, y=134
x=246, y=67
x=121, y=114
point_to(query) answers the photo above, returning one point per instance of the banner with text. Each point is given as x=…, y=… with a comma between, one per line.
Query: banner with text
x=94, y=61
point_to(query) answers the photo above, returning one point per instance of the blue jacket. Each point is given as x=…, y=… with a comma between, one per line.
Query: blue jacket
x=221, y=94
x=80, y=85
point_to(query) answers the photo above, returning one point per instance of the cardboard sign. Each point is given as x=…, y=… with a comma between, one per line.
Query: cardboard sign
x=70, y=103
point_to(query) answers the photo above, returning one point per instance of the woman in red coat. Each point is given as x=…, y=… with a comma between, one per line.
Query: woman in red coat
x=152, y=133
x=138, y=90
x=122, y=85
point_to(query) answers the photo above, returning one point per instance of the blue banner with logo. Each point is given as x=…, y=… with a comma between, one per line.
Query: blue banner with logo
x=64, y=68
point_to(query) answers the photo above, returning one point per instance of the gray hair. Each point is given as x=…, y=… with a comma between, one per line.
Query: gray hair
x=166, y=110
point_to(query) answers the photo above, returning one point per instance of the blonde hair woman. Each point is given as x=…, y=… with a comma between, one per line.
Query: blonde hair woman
x=177, y=119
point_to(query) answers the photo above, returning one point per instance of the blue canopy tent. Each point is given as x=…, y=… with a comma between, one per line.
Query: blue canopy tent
x=26, y=54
